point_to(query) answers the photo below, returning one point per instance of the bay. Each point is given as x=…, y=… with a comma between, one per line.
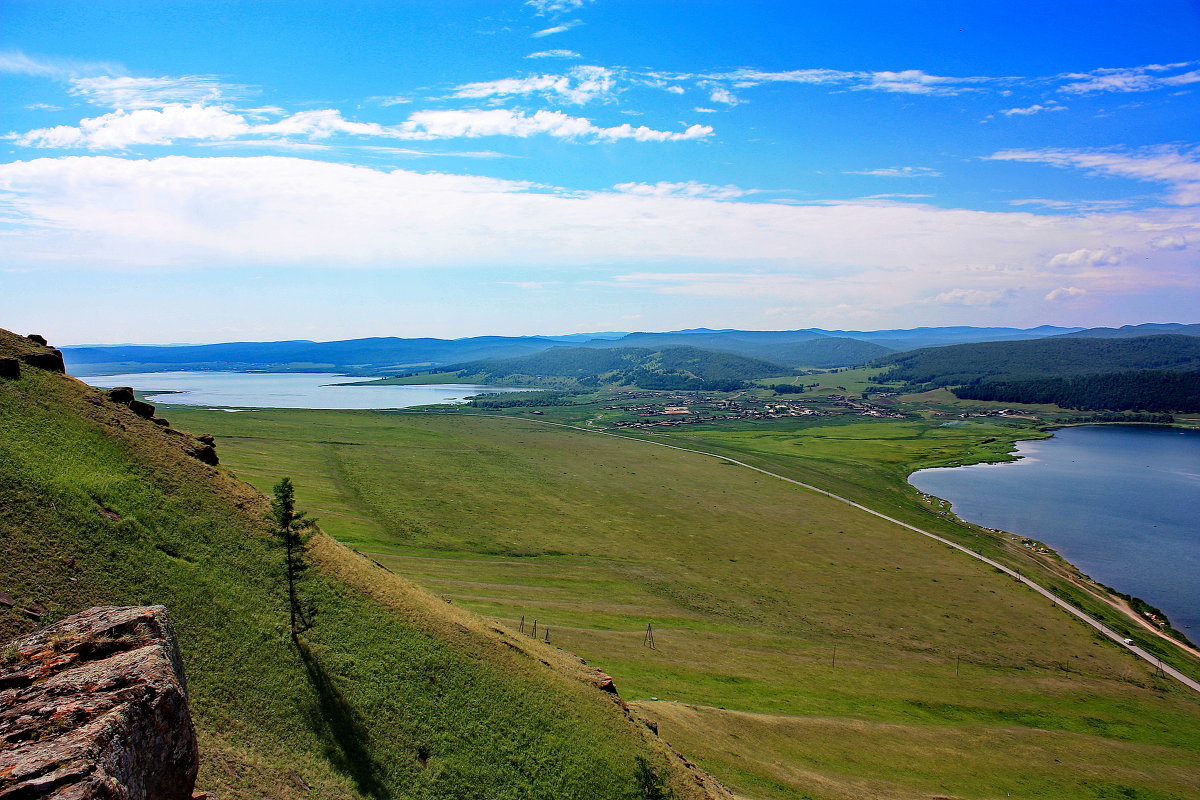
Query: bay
x=1121, y=502
x=286, y=390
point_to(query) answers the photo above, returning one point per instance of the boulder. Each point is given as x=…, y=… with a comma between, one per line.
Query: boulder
x=10, y=368
x=50, y=360
x=37, y=339
x=95, y=706
x=144, y=410
x=121, y=394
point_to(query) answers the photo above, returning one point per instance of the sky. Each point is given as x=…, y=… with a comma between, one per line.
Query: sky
x=220, y=171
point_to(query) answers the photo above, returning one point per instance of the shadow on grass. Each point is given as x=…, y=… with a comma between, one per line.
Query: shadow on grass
x=341, y=729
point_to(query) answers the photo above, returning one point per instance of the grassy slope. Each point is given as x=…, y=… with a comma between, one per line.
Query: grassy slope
x=390, y=675
x=750, y=585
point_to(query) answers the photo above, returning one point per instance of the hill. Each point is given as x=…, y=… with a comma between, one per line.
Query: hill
x=665, y=368
x=1055, y=357
x=353, y=356
x=387, y=355
x=1140, y=390
x=1128, y=331
x=394, y=693
x=793, y=349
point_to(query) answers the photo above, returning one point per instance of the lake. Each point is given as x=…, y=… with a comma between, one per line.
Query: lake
x=1118, y=501
x=286, y=390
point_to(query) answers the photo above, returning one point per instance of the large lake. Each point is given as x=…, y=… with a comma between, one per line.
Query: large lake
x=1121, y=502
x=286, y=390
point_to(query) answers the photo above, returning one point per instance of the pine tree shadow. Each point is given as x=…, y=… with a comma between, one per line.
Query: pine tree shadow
x=339, y=725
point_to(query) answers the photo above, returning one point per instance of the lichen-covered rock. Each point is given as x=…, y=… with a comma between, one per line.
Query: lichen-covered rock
x=95, y=706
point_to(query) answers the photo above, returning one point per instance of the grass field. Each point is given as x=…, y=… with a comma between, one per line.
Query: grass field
x=803, y=649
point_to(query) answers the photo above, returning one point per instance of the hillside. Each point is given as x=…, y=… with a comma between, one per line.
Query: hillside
x=666, y=368
x=394, y=693
x=960, y=364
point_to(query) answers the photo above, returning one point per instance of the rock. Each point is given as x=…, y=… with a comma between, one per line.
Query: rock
x=121, y=394
x=51, y=360
x=10, y=368
x=144, y=410
x=205, y=454
x=37, y=339
x=604, y=681
x=95, y=706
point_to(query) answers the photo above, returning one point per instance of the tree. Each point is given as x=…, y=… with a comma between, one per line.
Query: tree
x=293, y=529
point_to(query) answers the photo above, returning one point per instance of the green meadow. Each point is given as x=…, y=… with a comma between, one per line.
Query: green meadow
x=802, y=648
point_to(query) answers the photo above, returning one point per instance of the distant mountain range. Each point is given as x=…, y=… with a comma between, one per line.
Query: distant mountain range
x=812, y=347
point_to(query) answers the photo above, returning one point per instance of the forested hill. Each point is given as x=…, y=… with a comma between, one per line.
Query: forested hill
x=1055, y=357
x=666, y=368
x=795, y=349
x=1140, y=390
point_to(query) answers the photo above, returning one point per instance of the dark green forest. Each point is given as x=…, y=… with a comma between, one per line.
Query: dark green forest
x=966, y=364
x=1139, y=390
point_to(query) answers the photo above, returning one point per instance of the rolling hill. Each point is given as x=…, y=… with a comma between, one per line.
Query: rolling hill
x=665, y=368
x=1129, y=331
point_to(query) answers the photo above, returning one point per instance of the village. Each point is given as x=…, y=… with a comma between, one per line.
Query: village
x=690, y=409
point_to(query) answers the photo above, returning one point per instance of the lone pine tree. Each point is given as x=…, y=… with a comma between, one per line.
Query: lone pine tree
x=292, y=528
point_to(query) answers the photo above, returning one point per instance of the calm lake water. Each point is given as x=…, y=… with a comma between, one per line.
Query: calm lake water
x=286, y=390
x=1121, y=502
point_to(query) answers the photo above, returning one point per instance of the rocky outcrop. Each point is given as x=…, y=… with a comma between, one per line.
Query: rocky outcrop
x=43, y=357
x=95, y=706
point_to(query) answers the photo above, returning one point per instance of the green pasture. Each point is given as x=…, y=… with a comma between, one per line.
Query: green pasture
x=765, y=599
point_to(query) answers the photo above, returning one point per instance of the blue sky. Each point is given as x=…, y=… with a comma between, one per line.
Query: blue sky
x=218, y=171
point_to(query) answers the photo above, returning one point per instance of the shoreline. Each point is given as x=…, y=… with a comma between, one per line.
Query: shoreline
x=1050, y=557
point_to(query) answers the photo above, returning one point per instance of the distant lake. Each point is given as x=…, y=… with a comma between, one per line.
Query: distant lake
x=287, y=390
x=1121, y=502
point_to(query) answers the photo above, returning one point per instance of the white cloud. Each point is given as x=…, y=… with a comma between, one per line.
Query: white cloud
x=909, y=81
x=1178, y=169
x=898, y=172
x=1065, y=292
x=1129, y=79
x=132, y=93
x=684, y=189
x=503, y=122
x=1036, y=108
x=1174, y=242
x=121, y=129
x=14, y=62
x=566, y=26
x=967, y=297
x=554, y=54
x=544, y=7
x=321, y=125
x=703, y=110
x=95, y=212
x=719, y=94
x=1076, y=259
x=579, y=85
